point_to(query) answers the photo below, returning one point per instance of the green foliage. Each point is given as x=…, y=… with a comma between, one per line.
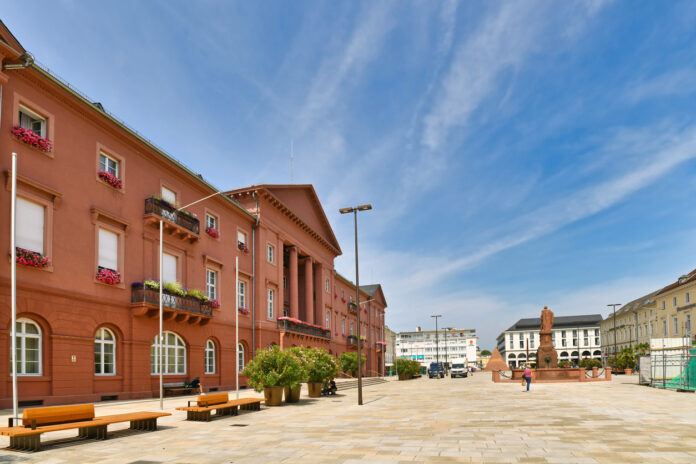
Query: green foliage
x=565, y=363
x=194, y=292
x=626, y=359
x=349, y=363
x=485, y=353
x=317, y=364
x=175, y=288
x=642, y=349
x=590, y=363
x=407, y=366
x=273, y=367
x=152, y=284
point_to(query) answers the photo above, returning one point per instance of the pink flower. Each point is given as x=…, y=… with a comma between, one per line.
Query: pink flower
x=110, y=179
x=31, y=138
x=31, y=258
x=212, y=231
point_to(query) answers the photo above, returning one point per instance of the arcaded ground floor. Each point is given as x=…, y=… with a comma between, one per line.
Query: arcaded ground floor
x=417, y=421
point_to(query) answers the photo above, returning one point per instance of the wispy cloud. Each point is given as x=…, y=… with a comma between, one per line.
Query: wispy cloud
x=671, y=83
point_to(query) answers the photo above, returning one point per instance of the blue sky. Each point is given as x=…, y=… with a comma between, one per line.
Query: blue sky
x=517, y=154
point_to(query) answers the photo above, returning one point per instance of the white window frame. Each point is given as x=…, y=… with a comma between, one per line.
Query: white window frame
x=675, y=325
x=101, y=263
x=240, y=359
x=326, y=285
x=21, y=337
x=241, y=294
x=270, y=253
x=674, y=301
x=36, y=116
x=270, y=302
x=327, y=322
x=179, y=353
x=106, y=168
x=209, y=357
x=211, y=221
x=20, y=221
x=687, y=297
x=101, y=342
x=211, y=284
x=241, y=237
x=343, y=326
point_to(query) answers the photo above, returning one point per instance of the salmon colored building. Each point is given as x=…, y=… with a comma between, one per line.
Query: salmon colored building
x=91, y=195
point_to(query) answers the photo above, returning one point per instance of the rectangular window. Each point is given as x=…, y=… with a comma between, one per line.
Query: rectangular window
x=270, y=253
x=29, y=230
x=328, y=320
x=512, y=344
x=211, y=284
x=241, y=294
x=210, y=222
x=687, y=324
x=108, y=164
x=241, y=237
x=675, y=324
x=674, y=301
x=169, y=263
x=343, y=326
x=269, y=302
x=108, y=250
x=664, y=328
x=326, y=285
x=168, y=195
x=687, y=297
x=285, y=282
x=32, y=121
x=352, y=329
x=664, y=305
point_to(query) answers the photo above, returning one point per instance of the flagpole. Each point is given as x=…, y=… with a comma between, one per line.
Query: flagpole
x=236, y=319
x=13, y=266
x=161, y=285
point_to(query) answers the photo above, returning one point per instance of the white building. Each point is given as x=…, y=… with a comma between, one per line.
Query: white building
x=574, y=337
x=426, y=347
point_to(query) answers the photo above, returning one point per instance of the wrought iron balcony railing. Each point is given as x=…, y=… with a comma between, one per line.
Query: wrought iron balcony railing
x=167, y=211
x=293, y=325
x=142, y=294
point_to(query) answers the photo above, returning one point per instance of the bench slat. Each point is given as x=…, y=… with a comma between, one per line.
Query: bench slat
x=58, y=414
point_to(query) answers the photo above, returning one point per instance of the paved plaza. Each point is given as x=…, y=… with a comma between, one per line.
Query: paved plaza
x=428, y=421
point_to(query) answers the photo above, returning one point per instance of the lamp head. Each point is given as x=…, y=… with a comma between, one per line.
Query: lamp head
x=345, y=210
x=364, y=207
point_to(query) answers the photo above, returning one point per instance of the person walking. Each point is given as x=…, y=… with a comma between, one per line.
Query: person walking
x=527, y=375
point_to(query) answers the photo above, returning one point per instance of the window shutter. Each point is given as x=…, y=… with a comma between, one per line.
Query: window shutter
x=168, y=195
x=30, y=226
x=169, y=268
x=108, y=249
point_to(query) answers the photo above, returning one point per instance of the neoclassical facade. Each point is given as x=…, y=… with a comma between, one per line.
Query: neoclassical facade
x=91, y=195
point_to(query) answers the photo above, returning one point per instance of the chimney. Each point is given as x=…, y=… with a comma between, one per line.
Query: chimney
x=418, y=329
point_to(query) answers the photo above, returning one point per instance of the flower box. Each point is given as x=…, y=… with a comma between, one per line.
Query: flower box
x=31, y=138
x=343, y=299
x=244, y=311
x=108, y=276
x=110, y=179
x=31, y=258
x=212, y=231
x=215, y=304
x=242, y=247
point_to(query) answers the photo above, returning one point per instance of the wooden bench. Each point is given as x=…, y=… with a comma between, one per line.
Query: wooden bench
x=37, y=421
x=221, y=404
x=177, y=387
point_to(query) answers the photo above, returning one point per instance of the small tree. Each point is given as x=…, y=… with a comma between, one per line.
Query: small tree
x=317, y=364
x=485, y=353
x=349, y=363
x=273, y=368
x=588, y=364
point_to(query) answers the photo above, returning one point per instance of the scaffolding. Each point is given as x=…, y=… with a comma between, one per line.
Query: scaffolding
x=673, y=364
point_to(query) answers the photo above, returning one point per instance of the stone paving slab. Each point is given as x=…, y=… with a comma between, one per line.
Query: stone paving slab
x=468, y=420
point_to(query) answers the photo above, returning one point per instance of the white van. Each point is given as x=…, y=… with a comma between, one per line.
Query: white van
x=459, y=368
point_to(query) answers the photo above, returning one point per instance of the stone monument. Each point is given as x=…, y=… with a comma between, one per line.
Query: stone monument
x=546, y=354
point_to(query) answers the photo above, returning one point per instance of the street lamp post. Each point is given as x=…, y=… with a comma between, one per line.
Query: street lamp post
x=614, y=305
x=161, y=286
x=355, y=210
x=437, y=345
x=13, y=290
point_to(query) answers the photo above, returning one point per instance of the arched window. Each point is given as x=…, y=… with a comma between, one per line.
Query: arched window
x=564, y=354
x=240, y=360
x=209, y=357
x=28, y=347
x=173, y=354
x=104, y=352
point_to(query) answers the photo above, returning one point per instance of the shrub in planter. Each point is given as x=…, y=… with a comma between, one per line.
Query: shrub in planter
x=31, y=138
x=31, y=258
x=565, y=364
x=407, y=368
x=588, y=364
x=349, y=363
x=110, y=179
x=270, y=371
x=108, y=276
x=318, y=368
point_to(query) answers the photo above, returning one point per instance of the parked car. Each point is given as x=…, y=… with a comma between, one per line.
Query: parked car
x=459, y=368
x=436, y=370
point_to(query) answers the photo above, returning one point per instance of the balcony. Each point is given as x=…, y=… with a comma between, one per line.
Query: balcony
x=299, y=327
x=380, y=346
x=145, y=302
x=352, y=342
x=177, y=223
x=353, y=307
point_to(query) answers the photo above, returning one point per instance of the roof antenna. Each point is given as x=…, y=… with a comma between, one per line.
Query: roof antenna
x=292, y=161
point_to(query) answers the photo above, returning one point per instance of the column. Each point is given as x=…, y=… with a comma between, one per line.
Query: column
x=292, y=285
x=319, y=307
x=309, y=291
x=281, y=272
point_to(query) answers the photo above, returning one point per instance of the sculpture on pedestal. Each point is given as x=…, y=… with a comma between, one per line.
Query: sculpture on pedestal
x=546, y=354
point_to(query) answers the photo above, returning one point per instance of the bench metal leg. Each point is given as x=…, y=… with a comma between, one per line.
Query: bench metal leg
x=144, y=424
x=198, y=416
x=97, y=431
x=26, y=443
